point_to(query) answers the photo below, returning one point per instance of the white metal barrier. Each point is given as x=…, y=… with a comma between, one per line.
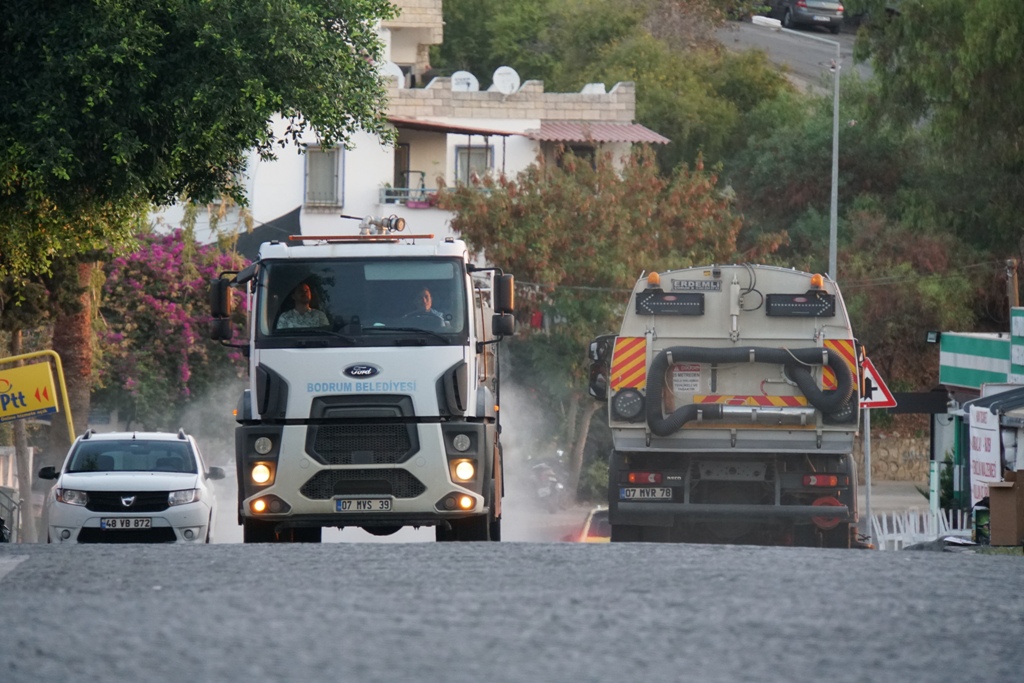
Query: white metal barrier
x=896, y=531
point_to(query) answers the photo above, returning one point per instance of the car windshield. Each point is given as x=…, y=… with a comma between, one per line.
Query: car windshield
x=351, y=301
x=135, y=455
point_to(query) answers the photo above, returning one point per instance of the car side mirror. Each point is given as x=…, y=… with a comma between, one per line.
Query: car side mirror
x=48, y=473
x=215, y=473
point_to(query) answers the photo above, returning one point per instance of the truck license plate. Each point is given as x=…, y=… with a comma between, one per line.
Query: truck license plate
x=362, y=505
x=645, y=493
x=126, y=522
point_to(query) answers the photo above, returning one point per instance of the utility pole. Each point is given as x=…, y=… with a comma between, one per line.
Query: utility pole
x=1011, y=283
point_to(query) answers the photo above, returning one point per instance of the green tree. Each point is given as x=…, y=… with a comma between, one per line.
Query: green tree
x=109, y=105
x=577, y=236
x=954, y=68
x=899, y=282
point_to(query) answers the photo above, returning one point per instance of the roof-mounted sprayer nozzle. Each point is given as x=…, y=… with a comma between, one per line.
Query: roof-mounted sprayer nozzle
x=380, y=226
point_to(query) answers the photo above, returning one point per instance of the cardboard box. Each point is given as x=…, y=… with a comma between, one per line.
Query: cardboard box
x=1006, y=509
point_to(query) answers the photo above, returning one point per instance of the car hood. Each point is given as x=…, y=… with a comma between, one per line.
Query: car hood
x=129, y=481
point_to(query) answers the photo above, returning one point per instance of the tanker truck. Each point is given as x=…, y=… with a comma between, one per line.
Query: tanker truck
x=373, y=394
x=733, y=402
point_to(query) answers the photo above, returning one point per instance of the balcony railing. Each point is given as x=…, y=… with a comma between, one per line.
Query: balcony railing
x=412, y=197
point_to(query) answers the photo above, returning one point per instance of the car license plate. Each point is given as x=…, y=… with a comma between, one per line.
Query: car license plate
x=645, y=493
x=126, y=522
x=818, y=17
x=362, y=505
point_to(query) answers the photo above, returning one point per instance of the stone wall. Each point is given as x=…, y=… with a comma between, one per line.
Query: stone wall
x=895, y=459
x=437, y=100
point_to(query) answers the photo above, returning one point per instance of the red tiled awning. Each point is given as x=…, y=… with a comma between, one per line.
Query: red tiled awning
x=577, y=131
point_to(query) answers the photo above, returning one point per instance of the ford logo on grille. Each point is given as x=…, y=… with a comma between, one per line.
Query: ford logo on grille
x=362, y=370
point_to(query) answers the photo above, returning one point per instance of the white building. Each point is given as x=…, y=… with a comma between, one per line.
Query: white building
x=447, y=131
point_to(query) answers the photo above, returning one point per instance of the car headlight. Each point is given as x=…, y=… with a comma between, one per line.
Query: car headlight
x=628, y=404
x=182, y=497
x=72, y=497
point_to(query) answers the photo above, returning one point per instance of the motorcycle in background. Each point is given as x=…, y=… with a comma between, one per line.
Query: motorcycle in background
x=549, y=490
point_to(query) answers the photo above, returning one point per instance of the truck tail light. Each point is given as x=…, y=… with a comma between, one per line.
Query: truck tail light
x=828, y=481
x=644, y=477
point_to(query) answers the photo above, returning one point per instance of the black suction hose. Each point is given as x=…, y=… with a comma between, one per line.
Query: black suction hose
x=795, y=362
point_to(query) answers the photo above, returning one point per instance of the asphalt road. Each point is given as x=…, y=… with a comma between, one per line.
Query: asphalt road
x=806, y=58
x=506, y=612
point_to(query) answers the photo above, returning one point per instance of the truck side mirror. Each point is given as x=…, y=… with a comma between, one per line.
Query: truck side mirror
x=504, y=294
x=48, y=473
x=503, y=325
x=221, y=329
x=600, y=361
x=220, y=298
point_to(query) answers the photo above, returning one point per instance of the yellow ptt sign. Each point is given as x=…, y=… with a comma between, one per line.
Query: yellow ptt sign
x=26, y=392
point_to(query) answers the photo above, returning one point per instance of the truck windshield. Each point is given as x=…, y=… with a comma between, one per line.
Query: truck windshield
x=363, y=301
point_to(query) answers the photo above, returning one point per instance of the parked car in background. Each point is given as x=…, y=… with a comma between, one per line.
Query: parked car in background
x=131, y=487
x=793, y=13
x=595, y=528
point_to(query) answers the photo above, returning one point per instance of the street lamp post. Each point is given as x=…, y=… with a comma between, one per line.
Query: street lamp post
x=776, y=25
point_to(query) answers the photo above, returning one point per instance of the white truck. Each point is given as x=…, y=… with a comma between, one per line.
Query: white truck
x=376, y=413
x=733, y=401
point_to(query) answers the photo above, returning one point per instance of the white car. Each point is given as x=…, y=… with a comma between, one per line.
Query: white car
x=131, y=487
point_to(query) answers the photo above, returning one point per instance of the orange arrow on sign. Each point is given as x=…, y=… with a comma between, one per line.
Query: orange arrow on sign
x=875, y=394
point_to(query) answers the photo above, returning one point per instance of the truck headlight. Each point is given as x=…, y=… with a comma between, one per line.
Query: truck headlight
x=464, y=470
x=628, y=404
x=260, y=473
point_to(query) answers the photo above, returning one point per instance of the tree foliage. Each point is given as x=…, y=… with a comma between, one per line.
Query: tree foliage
x=109, y=105
x=898, y=283
x=953, y=68
x=156, y=359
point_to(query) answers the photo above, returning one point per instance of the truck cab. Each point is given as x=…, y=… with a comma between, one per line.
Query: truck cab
x=374, y=394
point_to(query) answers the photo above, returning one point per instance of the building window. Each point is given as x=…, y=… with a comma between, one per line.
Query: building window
x=322, y=177
x=585, y=153
x=472, y=162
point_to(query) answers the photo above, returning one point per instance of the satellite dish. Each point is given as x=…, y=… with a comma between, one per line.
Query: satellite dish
x=392, y=70
x=463, y=81
x=505, y=80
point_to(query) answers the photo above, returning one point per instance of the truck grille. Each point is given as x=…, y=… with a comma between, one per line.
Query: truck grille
x=388, y=482
x=379, y=444
x=110, y=501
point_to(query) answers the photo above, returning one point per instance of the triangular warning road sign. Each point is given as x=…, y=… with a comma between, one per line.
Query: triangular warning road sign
x=875, y=394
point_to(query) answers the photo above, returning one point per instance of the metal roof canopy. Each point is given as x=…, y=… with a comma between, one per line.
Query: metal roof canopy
x=453, y=129
x=1001, y=404
x=585, y=131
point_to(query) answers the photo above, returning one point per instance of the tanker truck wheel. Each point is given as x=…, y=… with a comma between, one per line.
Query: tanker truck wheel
x=625, y=534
